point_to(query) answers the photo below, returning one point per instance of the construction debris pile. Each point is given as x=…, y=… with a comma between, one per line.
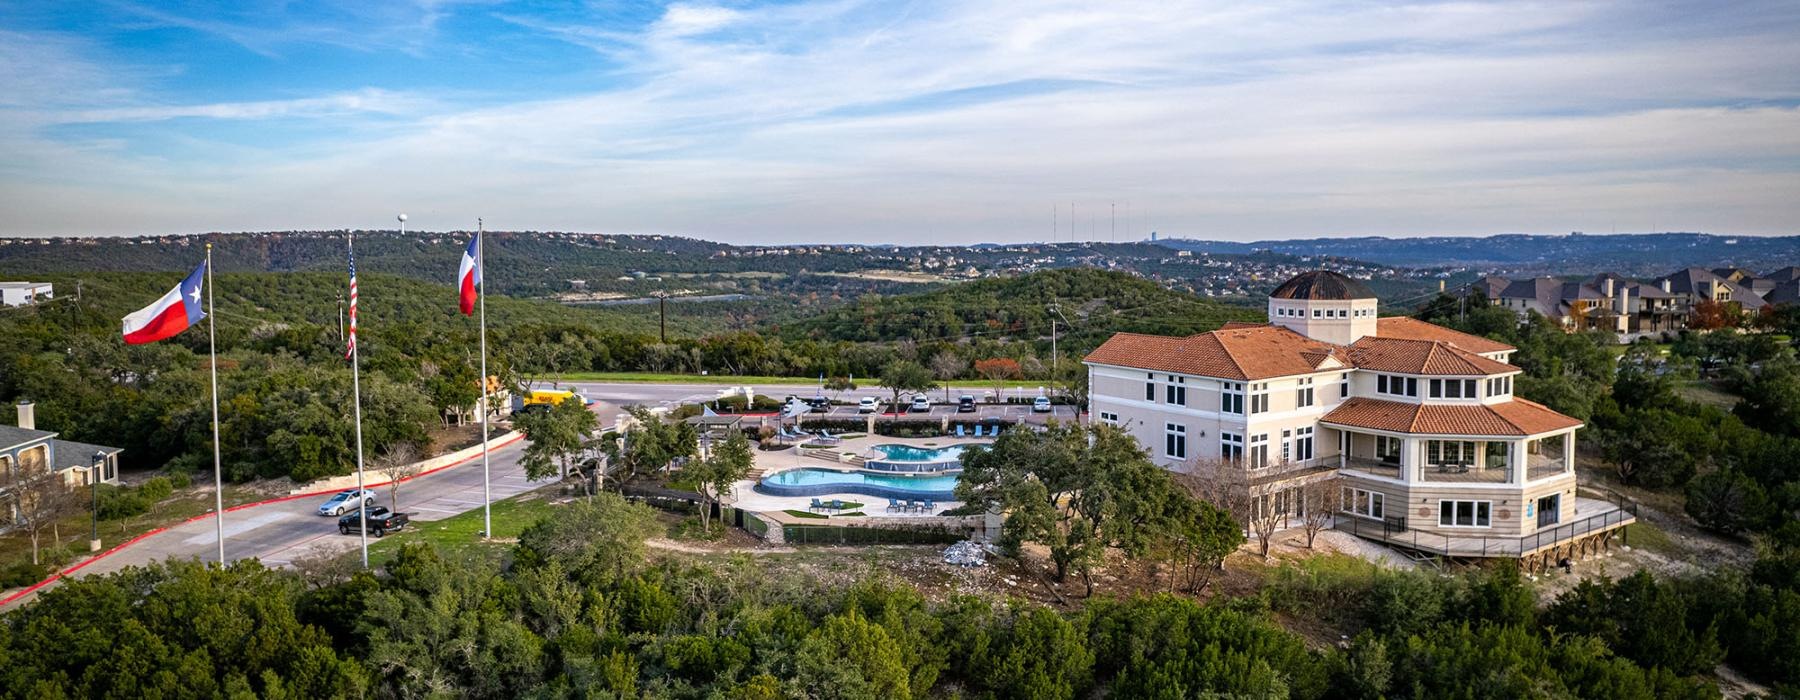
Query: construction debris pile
x=966, y=553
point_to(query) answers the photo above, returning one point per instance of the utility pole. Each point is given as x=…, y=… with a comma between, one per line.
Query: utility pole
x=1115, y=222
x=662, y=317
x=1054, y=313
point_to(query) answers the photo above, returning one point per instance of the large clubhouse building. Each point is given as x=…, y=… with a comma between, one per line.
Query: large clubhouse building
x=1416, y=422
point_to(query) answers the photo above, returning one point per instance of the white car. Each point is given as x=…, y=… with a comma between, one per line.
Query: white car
x=1040, y=404
x=345, y=501
x=868, y=404
x=921, y=403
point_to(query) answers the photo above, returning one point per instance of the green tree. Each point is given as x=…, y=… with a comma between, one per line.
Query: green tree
x=651, y=444
x=1727, y=501
x=906, y=377
x=1076, y=491
x=558, y=437
x=730, y=461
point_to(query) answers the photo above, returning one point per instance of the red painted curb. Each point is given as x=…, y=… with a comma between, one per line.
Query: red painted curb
x=515, y=437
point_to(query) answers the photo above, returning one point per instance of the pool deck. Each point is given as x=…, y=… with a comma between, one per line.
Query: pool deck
x=746, y=497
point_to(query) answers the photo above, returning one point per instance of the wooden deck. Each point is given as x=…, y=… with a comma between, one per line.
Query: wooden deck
x=1597, y=520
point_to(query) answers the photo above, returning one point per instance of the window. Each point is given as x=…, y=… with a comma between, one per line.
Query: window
x=1109, y=418
x=1303, y=444
x=1259, y=401
x=1453, y=389
x=1177, y=390
x=1449, y=452
x=1287, y=445
x=1259, y=451
x=1318, y=313
x=1364, y=503
x=1343, y=313
x=1149, y=387
x=1499, y=386
x=1231, y=397
x=1304, y=397
x=1344, y=386
x=1464, y=513
x=1231, y=447
x=1397, y=386
x=1387, y=449
x=1175, y=441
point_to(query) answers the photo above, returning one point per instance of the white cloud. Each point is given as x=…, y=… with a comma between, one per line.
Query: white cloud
x=872, y=121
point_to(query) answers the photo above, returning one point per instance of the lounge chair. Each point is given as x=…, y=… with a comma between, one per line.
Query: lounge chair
x=978, y=431
x=816, y=506
x=837, y=504
x=912, y=505
x=930, y=507
x=893, y=505
x=959, y=430
x=826, y=436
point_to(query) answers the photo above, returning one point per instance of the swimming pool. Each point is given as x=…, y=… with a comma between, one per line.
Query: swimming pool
x=908, y=458
x=811, y=481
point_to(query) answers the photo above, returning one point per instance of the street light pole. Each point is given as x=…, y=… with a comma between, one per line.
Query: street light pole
x=94, y=482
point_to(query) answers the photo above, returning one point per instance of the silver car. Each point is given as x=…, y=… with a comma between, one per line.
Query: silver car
x=345, y=501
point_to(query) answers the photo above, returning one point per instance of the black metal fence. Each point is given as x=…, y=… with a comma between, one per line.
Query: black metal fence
x=829, y=534
x=1396, y=533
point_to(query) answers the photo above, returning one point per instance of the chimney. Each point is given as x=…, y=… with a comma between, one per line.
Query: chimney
x=28, y=415
x=1665, y=285
x=1606, y=286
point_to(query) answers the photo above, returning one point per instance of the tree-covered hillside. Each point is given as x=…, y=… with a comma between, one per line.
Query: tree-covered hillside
x=1093, y=304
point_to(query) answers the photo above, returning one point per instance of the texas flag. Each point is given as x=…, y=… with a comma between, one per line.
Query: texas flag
x=468, y=277
x=171, y=314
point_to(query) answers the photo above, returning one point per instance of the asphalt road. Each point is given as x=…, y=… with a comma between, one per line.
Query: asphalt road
x=614, y=397
x=280, y=533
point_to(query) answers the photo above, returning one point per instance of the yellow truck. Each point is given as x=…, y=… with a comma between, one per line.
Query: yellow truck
x=547, y=398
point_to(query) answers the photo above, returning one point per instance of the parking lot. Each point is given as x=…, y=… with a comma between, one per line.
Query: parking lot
x=1015, y=413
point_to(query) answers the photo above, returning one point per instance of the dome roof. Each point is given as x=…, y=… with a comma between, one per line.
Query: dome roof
x=1322, y=285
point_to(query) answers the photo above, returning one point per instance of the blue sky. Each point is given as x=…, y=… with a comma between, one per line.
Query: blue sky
x=901, y=122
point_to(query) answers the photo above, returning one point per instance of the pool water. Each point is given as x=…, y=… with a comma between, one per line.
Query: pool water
x=808, y=481
x=909, y=453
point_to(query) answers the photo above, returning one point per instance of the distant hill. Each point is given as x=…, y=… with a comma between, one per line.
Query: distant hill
x=1094, y=304
x=1627, y=253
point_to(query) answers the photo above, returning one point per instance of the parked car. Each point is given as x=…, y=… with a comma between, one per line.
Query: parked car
x=819, y=404
x=965, y=404
x=1040, y=404
x=868, y=404
x=921, y=403
x=345, y=501
x=381, y=522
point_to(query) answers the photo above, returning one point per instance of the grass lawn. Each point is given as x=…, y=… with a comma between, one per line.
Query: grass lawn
x=654, y=378
x=15, y=546
x=1643, y=535
x=1706, y=392
x=463, y=532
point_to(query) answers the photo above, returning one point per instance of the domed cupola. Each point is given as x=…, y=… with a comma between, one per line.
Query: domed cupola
x=1324, y=305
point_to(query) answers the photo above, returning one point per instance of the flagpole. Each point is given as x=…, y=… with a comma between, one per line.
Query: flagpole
x=487, y=514
x=362, y=503
x=212, y=347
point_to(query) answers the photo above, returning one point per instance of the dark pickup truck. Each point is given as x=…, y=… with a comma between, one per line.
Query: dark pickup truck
x=381, y=521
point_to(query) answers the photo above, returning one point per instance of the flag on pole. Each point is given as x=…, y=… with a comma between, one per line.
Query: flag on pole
x=171, y=314
x=350, y=336
x=468, y=277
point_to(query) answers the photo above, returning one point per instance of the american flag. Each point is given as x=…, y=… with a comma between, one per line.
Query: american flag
x=350, y=337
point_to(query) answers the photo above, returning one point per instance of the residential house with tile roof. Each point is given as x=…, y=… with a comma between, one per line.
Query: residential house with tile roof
x=1416, y=422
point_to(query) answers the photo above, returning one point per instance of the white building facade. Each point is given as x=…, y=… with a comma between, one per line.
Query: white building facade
x=1417, y=423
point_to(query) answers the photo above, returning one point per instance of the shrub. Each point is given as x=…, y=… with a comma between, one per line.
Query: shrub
x=180, y=480
x=117, y=502
x=1727, y=501
x=156, y=489
x=21, y=574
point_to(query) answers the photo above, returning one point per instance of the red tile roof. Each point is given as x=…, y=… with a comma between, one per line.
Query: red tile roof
x=1511, y=419
x=1422, y=357
x=1236, y=352
x=1414, y=329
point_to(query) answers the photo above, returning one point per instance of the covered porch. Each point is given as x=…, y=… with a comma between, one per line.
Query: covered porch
x=1453, y=459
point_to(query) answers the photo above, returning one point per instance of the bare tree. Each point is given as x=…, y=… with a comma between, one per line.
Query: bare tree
x=399, y=463
x=1266, y=518
x=1322, y=499
x=1223, y=483
x=947, y=366
x=38, y=497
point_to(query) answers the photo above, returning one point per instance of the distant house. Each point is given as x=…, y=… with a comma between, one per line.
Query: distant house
x=22, y=293
x=1634, y=309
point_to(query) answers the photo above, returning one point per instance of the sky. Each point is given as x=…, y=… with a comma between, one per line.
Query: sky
x=901, y=122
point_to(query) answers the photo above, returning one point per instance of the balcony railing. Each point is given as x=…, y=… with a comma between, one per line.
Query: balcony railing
x=1536, y=468
x=1395, y=532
